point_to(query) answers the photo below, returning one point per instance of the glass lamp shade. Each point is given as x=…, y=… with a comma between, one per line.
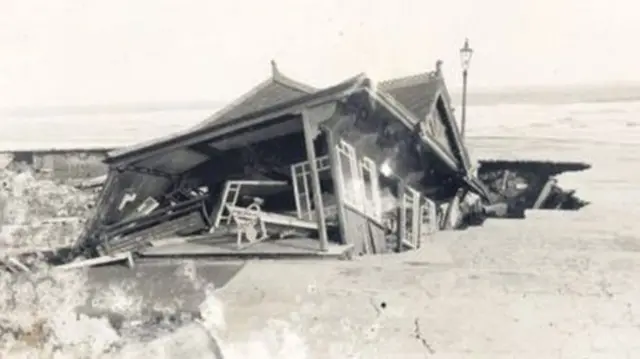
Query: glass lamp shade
x=465, y=55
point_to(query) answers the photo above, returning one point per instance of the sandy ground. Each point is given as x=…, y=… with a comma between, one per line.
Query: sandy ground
x=557, y=285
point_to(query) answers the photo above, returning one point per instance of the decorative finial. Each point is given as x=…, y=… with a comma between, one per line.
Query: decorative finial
x=439, y=67
x=274, y=68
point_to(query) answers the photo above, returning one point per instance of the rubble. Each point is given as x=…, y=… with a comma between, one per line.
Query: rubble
x=37, y=214
x=523, y=185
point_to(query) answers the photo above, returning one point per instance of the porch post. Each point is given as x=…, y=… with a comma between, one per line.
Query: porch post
x=336, y=176
x=310, y=122
x=402, y=215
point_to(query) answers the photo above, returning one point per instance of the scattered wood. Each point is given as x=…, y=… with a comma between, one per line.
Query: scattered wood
x=91, y=182
x=14, y=265
x=107, y=259
x=408, y=244
x=280, y=219
x=544, y=193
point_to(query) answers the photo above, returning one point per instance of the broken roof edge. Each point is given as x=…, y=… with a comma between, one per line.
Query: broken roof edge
x=276, y=77
x=189, y=135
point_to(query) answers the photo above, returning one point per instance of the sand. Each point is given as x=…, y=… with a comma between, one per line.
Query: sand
x=556, y=285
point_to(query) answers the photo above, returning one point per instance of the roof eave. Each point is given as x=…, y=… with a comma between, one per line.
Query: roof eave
x=207, y=133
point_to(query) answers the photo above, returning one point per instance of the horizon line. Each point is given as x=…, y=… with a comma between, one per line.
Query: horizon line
x=194, y=105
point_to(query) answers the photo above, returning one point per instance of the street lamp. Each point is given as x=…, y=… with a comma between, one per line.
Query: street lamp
x=465, y=58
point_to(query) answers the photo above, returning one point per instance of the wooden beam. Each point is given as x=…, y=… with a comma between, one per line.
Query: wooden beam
x=148, y=171
x=505, y=179
x=402, y=216
x=97, y=261
x=455, y=201
x=247, y=138
x=545, y=192
x=336, y=177
x=206, y=150
x=207, y=134
x=415, y=220
x=310, y=124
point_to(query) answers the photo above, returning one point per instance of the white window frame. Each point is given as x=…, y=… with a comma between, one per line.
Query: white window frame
x=411, y=200
x=302, y=171
x=428, y=218
x=351, y=187
x=370, y=194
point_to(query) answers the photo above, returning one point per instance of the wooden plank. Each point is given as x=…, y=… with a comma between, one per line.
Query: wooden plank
x=278, y=219
x=261, y=183
x=336, y=176
x=296, y=194
x=408, y=244
x=11, y=251
x=544, y=193
x=402, y=216
x=451, y=207
x=97, y=261
x=284, y=247
x=361, y=213
x=309, y=116
x=14, y=264
x=415, y=220
x=263, y=134
x=505, y=179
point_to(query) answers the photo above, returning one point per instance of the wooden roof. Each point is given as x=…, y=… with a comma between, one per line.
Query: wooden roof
x=160, y=149
x=417, y=93
x=275, y=90
x=203, y=133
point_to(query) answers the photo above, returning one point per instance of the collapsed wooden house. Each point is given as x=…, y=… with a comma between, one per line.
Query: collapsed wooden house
x=357, y=168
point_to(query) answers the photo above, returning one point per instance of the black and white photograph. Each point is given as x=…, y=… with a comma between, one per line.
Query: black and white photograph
x=300, y=179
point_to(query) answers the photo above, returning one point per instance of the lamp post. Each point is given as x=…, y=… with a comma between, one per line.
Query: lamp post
x=465, y=58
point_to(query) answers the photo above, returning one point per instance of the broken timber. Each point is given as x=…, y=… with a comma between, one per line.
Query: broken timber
x=303, y=175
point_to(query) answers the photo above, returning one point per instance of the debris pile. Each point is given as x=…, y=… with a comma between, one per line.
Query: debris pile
x=40, y=214
x=523, y=185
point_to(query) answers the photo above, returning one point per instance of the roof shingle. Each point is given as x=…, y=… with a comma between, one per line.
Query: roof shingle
x=416, y=93
x=275, y=90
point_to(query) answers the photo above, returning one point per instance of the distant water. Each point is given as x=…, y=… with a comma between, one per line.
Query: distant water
x=575, y=122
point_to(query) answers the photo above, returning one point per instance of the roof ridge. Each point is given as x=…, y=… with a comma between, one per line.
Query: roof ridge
x=409, y=80
x=279, y=77
x=276, y=77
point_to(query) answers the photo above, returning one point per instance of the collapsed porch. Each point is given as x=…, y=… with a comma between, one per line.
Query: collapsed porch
x=312, y=170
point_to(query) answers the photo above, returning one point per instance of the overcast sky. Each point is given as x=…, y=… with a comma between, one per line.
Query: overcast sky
x=84, y=52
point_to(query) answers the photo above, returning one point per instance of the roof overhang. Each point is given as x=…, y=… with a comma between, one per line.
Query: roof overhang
x=209, y=134
x=220, y=134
